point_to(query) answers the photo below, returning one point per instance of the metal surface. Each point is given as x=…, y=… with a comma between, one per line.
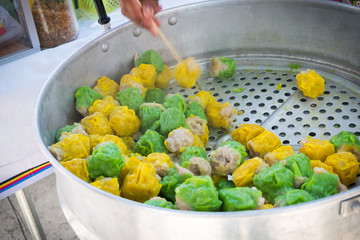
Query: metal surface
x=267, y=37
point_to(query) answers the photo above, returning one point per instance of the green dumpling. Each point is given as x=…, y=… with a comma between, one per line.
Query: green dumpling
x=130, y=97
x=160, y=202
x=195, y=109
x=175, y=101
x=176, y=176
x=75, y=128
x=224, y=183
x=170, y=119
x=346, y=142
x=274, y=181
x=151, y=57
x=149, y=114
x=85, y=97
x=222, y=67
x=155, y=95
x=293, y=197
x=150, y=142
x=197, y=194
x=190, y=152
x=239, y=198
x=321, y=185
x=106, y=160
x=237, y=147
x=300, y=165
x=196, y=161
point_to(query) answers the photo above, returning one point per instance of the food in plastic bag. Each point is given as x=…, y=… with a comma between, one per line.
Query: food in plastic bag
x=124, y=121
x=161, y=162
x=279, y=154
x=163, y=79
x=78, y=167
x=70, y=147
x=187, y=72
x=160, y=202
x=150, y=142
x=75, y=128
x=345, y=165
x=151, y=57
x=293, y=197
x=245, y=132
x=141, y=184
x=300, y=165
x=310, y=83
x=220, y=115
x=175, y=101
x=196, y=161
x=243, y=175
x=106, y=87
x=106, y=160
x=203, y=98
x=264, y=143
x=198, y=127
x=147, y=74
x=274, y=181
x=316, y=149
x=130, y=97
x=197, y=194
x=225, y=159
x=321, y=184
x=85, y=97
x=149, y=114
x=195, y=109
x=155, y=95
x=222, y=67
x=179, y=139
x=97, y=123
x=176, y=176
x=346, y=142
x=105, y=106
x=110, y=185
x=239, y=198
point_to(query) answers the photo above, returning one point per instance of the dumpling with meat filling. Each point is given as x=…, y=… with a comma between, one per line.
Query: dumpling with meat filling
x=300, y=165
x=129, y=80
x=176, y=176
x=179, y=139
x=263, y=143
x=220, y=115
x=293, y=197
x=279, y=154
x=85, y=97
x=222, y=67
x=224, y=183
x=163, y=79
x=187, y=72
x=198, y=126
x=149, y=114
x=106, y=87
x=274, y=181
x=243, y=175
x=71, y=146
x=78, y=167
x=105, y=106
x=240, y=199
x=130, y=97
x=147, y=74
x=161, y=162
x=106, y=160
x=110, y=185
x=225, y=159
x=124, y=121
x=346, y=142
x=155, y=95
x=97, y=123
x=175, y=101
x=75, y=129
x=196, y=110
x=150, y=142
x=203, y=98
x=197, y=193
x=345, y=165
x=196, y=161
x=310, y=83
x=245, y=132
x=160, y=202
x=150, y=57
x=316, y=149
x=170, y=119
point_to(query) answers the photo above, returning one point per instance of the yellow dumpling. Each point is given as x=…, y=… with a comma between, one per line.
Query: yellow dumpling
x=316, y=149
x=161, y=162
x=187, y=72
x=220, y=115
x=243, y=175
x=130, y=80
x=163, y=79
x=97, y=123
x=279, y=154
x=345, y=165
x=70, y=147
x=310, y=83
x=124, y=121
x=147, y=74
x=78, y=167
x=106, y=87
x=198, y=127
x=320, y=164
x=105, y=106
x=264, y=143
x=117, y=141
x=110, y=185
x=245, y=132
x=203, y=98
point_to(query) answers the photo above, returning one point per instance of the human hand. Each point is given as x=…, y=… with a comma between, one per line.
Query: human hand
x=143, y=15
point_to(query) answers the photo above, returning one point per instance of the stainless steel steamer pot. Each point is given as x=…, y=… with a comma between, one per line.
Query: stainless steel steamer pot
x=264, y=36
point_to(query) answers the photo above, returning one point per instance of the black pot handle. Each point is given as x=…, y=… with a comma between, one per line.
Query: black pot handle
x=104, y=19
